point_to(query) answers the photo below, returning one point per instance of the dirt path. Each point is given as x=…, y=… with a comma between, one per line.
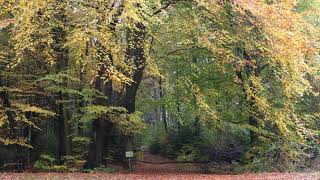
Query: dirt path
x=148, y=157
x=159, y=164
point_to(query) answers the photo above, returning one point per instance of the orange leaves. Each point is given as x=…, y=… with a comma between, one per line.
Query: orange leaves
x=280, y=22
x=288, y=38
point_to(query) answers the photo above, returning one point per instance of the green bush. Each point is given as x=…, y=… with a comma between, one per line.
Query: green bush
x=188, y=153
x=80, y=146
x=47, y=162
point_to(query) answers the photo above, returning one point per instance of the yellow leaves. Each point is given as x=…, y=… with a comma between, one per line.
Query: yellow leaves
x=119, y=77
x=78, y=42
x=5, y=23
x=18, y=116
x=255, y=92
x=279, y=20
x=34, y=109
x=287, y=39
x=212, y=6
x=132, y=124
x=131, y=13
x=32, y=30
x=19, y=141
x=280, y=119
x=3, y=118
x=217, y=43
x=204, y=111
x=152, y=69
x=124, y=122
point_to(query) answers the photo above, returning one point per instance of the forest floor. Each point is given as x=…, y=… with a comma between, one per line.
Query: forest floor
x=157, y=167
x=156, y=176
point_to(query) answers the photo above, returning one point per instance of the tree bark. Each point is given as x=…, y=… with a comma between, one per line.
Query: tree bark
x=61, y=53
x=163, y=108
x=135, y=53
x=96, y=147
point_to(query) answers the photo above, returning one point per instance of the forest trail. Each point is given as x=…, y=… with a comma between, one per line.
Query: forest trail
x=154, y=158
x=151, y=163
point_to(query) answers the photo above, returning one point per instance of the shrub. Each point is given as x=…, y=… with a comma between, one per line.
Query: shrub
x=188, y=153
x=47, y=162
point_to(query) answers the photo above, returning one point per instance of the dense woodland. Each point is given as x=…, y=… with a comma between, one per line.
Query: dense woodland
x=224, y=81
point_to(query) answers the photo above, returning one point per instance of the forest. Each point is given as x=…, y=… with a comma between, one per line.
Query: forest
x=233, y=83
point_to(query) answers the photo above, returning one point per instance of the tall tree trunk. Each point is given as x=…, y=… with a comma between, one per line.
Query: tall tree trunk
x=95, y=155
x=4, y=96
x=61, y=54
x=163, y=108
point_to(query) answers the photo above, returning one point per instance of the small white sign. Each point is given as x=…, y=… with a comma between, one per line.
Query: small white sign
x=129, y=154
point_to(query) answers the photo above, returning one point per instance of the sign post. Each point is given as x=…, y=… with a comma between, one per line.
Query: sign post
x=129, y=154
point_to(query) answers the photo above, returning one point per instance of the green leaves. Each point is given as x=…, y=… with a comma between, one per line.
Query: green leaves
x=58, y=78
x=125, y=123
